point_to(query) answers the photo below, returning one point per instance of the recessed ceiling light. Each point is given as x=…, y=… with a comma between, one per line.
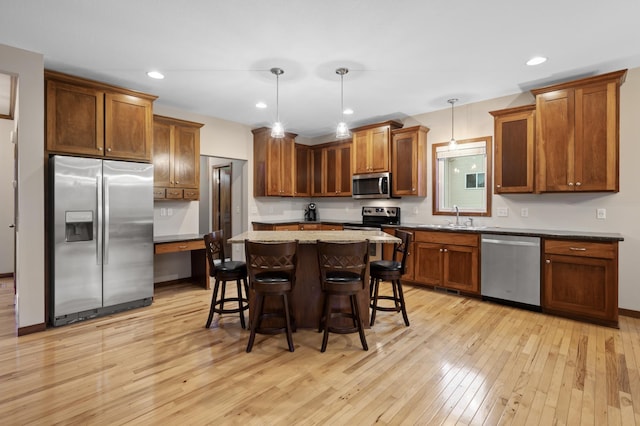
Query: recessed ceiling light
x=348, y=111
x=155, y=74
x=261, y=105
x=536, y=60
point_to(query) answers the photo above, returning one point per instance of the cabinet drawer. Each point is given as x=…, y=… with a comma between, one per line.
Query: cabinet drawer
x=191, y=194
x=581, y=248
x=310, y=226
x=159, y=194
x=459, y=239
x=179, y=246
x=174, y=193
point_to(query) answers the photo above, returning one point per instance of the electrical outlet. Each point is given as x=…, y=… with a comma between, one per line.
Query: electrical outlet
x=601, y=213
x=503, y=211
x=524, y=212
x=163, y=211
x=169, y=212
x=415, y=211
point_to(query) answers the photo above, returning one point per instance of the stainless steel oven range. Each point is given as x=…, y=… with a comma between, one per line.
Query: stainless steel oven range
x=373, y=218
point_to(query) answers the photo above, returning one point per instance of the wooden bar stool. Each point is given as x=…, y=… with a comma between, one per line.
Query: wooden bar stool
x=223, y=271
x=390, y=270
x=272, y=272
x=342, y=274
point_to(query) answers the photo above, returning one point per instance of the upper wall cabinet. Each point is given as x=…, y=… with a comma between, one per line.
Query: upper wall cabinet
x=514, y=136
x=371, y=151
x=176, y=158
x=331, y=170
x=273, y=164
x=577, y=134
x=409, y=161
x=303, y=171
x=90, y=118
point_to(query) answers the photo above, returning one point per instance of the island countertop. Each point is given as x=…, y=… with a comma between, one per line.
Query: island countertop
x=311, y=237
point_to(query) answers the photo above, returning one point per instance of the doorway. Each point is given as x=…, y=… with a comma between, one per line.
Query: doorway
x=221, y=178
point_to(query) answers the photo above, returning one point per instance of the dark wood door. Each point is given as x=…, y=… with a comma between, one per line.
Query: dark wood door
x=303, y=171
x=128, y=127
x=514, y=149
x=162, y=149
x=317, y=161
x=405, y=146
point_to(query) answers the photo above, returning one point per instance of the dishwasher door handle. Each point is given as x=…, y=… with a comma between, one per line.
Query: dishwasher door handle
x=510, y=243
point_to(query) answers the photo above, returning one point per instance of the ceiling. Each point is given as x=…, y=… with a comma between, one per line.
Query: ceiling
x=405, y=57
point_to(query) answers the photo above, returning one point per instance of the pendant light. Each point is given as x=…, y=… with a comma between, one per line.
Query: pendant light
x=342, y=132
x=453, y=144
x=277, y=131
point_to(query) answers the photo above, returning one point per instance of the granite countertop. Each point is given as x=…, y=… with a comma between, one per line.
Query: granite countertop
x=543, y=233
x=173, y=238
x=311, y=237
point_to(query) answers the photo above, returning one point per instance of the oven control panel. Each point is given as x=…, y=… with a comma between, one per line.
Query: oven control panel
x=381, y=211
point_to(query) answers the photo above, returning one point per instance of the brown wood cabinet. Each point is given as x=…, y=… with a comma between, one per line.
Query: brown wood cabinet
x=409, y=161
x=332, y=170
x=303, y=171
x=176, y=159
x=448, y=260
x=298, y=226
x=581, y=280
x=274, y=165
x=372, y=147
x=514, y=133
x=577, y=134
x=89, y=118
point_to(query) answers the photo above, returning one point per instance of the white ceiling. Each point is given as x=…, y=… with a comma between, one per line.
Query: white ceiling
x=405, y=57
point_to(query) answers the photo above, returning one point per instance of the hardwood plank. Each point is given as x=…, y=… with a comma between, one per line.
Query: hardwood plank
x=462, y=361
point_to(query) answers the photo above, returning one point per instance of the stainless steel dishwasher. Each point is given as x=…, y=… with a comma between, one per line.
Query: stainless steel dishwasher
x=510, y=269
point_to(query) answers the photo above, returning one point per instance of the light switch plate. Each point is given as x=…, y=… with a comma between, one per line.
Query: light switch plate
x=503, y=211
x=524, y=212
x=601, y=213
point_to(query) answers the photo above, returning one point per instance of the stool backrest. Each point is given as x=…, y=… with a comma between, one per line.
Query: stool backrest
x=402, y=248
x=343, y=258
x=214, y=246
x=279, y=257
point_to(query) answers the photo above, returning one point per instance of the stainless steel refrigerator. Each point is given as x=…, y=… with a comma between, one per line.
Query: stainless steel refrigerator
x=101, y=237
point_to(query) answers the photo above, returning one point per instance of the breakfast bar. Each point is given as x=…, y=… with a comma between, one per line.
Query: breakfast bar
x=306, y=298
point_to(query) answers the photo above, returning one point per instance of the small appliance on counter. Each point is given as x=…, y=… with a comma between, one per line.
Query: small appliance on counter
x=310, y=213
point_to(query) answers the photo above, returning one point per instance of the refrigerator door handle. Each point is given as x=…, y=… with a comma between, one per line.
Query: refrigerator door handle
x=99, y=227
x=105, y=258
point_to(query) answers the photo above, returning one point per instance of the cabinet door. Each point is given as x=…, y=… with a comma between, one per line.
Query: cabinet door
x=75, y=119
x=405, y=154
x=274, y=162
x=344, y=180
x=596, y=138
x=360, y=152
x=582, y=286
x=317, y=161
x=461, y=268
x=555, y=139
x=514, y=148
x=379, y=150
x=128, y=127
x=332, y=172
x=287, y=177
x=186, y=157
x=428, y=263
x=303, y=170
x=162, y=149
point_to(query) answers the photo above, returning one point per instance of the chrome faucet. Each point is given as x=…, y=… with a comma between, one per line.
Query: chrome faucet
x=455, y=206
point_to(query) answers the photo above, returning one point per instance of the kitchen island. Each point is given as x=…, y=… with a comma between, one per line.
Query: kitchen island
x=306, y=298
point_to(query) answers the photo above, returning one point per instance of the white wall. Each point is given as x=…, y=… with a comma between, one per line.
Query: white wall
x=546, y=211
x=6, y=195
x=29, y=67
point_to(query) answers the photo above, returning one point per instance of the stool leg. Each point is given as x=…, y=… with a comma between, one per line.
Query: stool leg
x=254, y=321
x=240, y=303
x=246, y=293
x=402, y=304
x=356, y=314
x=222, y=296
x=396, y=298
x=327, y=318
x=214, y=298
x=287, y=318
x=374, y=304
x=323, y=319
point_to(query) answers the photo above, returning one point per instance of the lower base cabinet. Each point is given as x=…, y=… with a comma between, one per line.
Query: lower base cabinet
x=448, y=260
x=581, y=280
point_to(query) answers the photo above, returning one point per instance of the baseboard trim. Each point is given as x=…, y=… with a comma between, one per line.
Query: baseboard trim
x=629, y=313
x=6, y=275
x=30, y=329
x=172, y=282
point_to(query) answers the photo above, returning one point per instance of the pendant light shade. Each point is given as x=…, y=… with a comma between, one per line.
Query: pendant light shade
x=342, y=132
x=453, y=144
x=277, y=131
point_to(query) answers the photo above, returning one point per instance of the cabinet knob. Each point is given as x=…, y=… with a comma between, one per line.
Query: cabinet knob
x=570, y=183
x=413, y=190
x=177, y=182
x=445, y=250
x=99, y=148
x=108, y=149
x=578, y=183
x=547, y=261
x=498, y=186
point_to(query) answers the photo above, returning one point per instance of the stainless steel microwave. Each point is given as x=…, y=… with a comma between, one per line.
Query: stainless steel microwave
x=371, y=185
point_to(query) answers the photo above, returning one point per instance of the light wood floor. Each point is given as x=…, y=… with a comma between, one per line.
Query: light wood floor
x=461, y=361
